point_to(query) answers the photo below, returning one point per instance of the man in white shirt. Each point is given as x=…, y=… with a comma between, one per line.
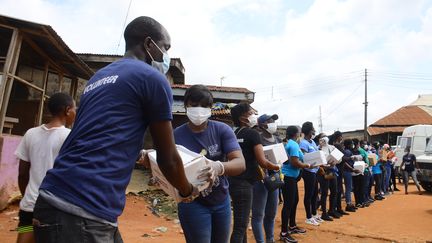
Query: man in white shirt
x=37, y=151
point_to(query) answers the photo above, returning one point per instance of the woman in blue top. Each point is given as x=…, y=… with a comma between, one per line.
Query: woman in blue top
x=377, y=174
x=291, y=171
x=308, y=145
x=208, y=218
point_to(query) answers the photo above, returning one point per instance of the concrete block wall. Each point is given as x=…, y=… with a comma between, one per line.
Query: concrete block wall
x=8, y=169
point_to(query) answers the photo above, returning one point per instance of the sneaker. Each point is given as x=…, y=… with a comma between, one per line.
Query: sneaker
x=335, y=215
x=317, y=218
x=312, y=221
x=379, y=197
x=287, y=238
x=326, y=217
x=296, y=230
x=396, y=190
x=359, y=206
x=366, y=204
x=350, y=208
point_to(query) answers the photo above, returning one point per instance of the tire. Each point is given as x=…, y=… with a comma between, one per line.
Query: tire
x=426, y=185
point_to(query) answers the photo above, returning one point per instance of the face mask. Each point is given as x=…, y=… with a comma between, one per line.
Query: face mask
x=252, y=120
x=161, y=66
x=271, y=128
x=325, y=140
x=198, y=115
x=365, y=147
x=353, y=146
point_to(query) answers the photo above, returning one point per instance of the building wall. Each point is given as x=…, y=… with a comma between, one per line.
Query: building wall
x=8, y=169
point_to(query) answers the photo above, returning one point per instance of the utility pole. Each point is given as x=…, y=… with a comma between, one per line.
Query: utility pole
x=272, y=93
x=320, y=121
x=221, y=80
x=365, y=133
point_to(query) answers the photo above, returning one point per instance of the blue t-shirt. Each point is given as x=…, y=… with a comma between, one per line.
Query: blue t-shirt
x=217, y=140
x=293, y=150
x=308, y=147
x=376, y=169
x=95, y=163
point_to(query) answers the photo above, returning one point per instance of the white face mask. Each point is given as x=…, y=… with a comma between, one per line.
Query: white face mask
x=198, y=115
x=252, y=120
x=161, y=66
x=271, y=128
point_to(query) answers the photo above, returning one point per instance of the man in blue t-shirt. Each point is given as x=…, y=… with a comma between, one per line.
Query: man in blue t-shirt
x=82, y=196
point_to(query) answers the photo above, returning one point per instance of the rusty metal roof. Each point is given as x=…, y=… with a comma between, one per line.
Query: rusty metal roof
x=51, y=43
x=380, y=130
x=214, y=88
x=405, y=116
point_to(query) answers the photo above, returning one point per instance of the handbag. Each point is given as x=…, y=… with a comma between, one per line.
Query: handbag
x=273, y=182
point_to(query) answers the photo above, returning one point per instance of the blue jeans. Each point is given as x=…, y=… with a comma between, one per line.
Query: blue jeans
x=201, y=223
x=348, y=186
x=241, y=194
x=264, y=208
x=387, y=178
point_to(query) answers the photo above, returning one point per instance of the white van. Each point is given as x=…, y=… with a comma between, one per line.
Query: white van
x=417, y=137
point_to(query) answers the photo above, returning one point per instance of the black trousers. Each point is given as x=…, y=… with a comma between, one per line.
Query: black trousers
x=358, y=184
x=55, y=226
x=290, y=202
x=241, y=196
x=333, y=194
x=377, y=178
x=324, y=187
x=311, y=193
x=339, y=191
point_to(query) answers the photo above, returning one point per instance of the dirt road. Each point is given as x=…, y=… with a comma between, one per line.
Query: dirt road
x=399, y=218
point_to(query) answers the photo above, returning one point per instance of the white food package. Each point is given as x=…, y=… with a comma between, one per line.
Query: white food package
x=315, y=158
x=192, y=162
x=275, y=153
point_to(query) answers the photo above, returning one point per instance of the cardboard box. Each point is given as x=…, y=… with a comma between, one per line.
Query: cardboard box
x=315, y=158
x=192, y=162
x=372, y=159
x=275, y=153
x=335, y=156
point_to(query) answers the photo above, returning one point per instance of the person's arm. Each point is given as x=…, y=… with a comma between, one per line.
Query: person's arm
x=23, y=175
x=236, y=163
x=262, y=161
x=415, y=162
x=297, y=163
x=168, y=159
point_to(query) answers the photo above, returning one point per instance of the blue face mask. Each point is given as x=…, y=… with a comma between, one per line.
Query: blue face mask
x=161, y=66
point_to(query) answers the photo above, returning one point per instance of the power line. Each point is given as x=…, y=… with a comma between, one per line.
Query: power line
x=343, y=101
x=124, y=25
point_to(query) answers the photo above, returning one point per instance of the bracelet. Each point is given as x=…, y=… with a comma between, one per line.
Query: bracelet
x=223, y=168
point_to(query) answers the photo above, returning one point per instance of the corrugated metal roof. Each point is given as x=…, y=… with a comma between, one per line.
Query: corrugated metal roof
x=215, y=88
x=425, y=99
x=48, y=40
x=405, y=116
x=380, y=130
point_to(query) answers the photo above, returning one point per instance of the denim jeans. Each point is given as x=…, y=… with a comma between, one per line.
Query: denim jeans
x=55, y=226
x=206, y=224
x=290, y=202
x=241, y=195
x=348, y=186
x=387, y=178
x=264, y=208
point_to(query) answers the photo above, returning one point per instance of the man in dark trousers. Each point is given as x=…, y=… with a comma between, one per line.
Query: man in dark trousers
x=83, y=195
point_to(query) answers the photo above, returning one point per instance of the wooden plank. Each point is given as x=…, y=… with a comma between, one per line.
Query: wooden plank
x=11, y=119
x=12, y=63
x=17, y=78
x=43, y=96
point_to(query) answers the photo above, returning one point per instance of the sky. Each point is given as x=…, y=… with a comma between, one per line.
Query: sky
x=297, y=56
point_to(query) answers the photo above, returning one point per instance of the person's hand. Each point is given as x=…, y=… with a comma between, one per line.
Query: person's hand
x=277, y=167
x=210, y=172
x=193, y=194
x=144, y=159
x=357, y=157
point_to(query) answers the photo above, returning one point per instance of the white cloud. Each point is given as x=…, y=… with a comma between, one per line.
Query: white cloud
x=323, y=43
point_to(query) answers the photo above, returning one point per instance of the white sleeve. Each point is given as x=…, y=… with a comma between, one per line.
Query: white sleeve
x=22, y=151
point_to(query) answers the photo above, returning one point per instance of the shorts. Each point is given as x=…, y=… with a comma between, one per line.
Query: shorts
x=25, y=224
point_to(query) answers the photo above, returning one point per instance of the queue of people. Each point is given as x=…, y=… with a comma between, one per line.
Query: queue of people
x=75, y=192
